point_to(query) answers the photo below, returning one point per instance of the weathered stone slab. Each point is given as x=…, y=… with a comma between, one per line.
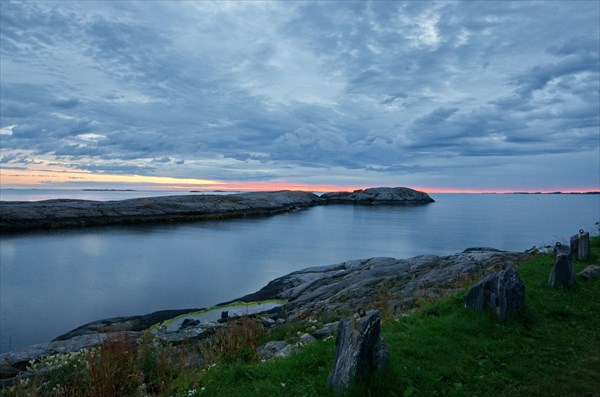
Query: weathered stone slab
x=359, y=349
x=580, y=245
x=574, y=245
x=503, y=293
x=563, y=273
x=583, y=251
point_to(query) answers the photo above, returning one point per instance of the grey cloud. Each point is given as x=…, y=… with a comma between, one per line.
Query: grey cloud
x=164, y=159
x=246, y=157
x=538, y=76
x=376, y=87
x=117, y=169
x=66, y=103
x=16, y=158
x=580, y=45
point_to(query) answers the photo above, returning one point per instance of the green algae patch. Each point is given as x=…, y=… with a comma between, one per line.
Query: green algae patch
x=213, y=314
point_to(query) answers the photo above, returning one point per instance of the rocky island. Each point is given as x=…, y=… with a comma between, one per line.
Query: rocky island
x=49, y=214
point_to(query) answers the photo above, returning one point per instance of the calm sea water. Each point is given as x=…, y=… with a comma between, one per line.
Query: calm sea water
x=52, y=282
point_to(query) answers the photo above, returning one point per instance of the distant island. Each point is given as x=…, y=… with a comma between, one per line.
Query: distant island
x=596, y=192
x=108, y=190
x=211, y=191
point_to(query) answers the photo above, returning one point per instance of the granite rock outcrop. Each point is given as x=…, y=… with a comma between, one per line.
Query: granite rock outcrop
x=380, y=195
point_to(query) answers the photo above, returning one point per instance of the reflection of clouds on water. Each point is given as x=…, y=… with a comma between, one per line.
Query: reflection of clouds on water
x=91, y=245
x=7, y=252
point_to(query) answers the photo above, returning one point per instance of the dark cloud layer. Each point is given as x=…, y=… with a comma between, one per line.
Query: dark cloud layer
x=362, y=93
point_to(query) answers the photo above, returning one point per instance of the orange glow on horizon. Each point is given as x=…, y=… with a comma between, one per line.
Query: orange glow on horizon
x=45, y=178
x=35, y=177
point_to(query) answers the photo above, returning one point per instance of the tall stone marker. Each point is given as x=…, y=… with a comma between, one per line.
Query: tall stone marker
x=584, y=245
x=503, y=293
x=563, y=272
x=359, y=349
x=580, y=245
x=573, y=245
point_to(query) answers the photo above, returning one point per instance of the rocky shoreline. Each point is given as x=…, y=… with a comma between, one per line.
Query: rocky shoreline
x=17, y=216
x=386, y=284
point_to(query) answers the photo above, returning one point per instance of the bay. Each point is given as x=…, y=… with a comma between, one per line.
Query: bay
x=54, y=281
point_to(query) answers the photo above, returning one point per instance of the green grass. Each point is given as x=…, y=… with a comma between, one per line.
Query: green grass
x=551, y=349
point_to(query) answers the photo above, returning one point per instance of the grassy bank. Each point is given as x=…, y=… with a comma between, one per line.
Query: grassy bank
x=442, y=349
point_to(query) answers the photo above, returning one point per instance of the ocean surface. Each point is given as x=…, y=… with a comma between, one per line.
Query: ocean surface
x=54, y=281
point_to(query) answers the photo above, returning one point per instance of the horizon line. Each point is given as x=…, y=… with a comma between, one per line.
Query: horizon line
x=58, y=178
x=267, y=187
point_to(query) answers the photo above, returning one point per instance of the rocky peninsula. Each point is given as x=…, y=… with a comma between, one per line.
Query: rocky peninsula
x=388, y=284
x=50, y=214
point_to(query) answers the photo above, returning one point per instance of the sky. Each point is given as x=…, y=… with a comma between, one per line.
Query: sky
x=438, y=96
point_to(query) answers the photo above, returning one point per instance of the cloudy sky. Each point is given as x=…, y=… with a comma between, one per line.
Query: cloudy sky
x=451, y=96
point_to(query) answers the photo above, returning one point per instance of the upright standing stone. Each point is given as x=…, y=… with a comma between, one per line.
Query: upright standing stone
x=574, y=245
x=503, y=293
x=359, y=349
x=563, y=273
x=583, y=251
